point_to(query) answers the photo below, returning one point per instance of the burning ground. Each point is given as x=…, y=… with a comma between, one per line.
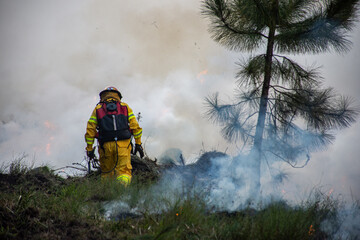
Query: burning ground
x=163, y=202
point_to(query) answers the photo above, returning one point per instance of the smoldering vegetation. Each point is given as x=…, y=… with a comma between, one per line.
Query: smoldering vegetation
x=207, y=199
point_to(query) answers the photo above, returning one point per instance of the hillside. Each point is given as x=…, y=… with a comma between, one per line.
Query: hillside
x=38, y=204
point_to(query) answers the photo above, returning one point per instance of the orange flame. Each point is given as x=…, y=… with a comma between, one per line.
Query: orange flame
x=48, y=152
x=311, y=230
x=49, y=125
x=201, y=74
x=48, y=146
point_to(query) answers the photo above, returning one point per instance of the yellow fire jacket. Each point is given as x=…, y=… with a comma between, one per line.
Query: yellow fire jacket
x=92, y=125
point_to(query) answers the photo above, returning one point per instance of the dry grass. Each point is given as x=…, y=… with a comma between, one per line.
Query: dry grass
x=37, y=204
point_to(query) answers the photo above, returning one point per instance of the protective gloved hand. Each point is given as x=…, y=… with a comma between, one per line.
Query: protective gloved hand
x=91, y=154
x=138, y=148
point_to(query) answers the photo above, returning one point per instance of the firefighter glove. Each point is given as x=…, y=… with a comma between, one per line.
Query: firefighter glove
x=91, y=154
x=138, y=148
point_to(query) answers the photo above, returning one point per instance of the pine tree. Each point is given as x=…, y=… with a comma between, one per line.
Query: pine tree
x=282, y=108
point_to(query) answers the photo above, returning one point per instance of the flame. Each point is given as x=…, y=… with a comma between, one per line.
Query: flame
x=49, y=125
x=330, y=192
x=311, y=230
x=179, y=212
x=48, y=146
x=201, y=74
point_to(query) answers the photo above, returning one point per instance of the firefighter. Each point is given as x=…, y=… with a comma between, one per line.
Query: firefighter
x=113, y=123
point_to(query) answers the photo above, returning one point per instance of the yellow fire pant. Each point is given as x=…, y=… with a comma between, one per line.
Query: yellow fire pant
x=115, y=160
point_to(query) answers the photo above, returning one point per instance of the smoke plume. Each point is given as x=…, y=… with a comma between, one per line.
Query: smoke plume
x=58, y=55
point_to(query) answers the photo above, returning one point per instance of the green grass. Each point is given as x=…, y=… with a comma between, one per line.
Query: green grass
x=37, y=204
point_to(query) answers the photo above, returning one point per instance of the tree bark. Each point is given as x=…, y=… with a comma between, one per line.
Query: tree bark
x=256, y=150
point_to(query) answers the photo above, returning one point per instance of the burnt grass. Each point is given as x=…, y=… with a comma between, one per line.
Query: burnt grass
x=39, y=204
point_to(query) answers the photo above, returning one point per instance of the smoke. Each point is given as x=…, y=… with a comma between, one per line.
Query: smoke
x=349, y=223
x=171, y=157
x=57, y=56
x=221, y=182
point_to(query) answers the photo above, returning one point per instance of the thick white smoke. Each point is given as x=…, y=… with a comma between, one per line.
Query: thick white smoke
x=57, y=56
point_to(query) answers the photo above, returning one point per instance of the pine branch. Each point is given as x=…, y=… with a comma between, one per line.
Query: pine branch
x=234, y=130
x=289, y=162
x=320, y=108
x=226, y=28
x=323, y=30
x=290, y=71
x=251, y=70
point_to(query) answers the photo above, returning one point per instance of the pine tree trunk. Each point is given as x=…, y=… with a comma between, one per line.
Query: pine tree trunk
x=256, y=150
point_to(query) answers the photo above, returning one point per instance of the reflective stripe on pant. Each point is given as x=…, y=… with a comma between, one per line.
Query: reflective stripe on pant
x=109, y=156
x=124, y=179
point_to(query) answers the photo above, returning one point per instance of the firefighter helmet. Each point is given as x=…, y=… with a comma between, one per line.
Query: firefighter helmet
x=110, y=89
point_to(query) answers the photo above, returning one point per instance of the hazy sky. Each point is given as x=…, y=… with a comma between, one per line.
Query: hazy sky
x=57, y=55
